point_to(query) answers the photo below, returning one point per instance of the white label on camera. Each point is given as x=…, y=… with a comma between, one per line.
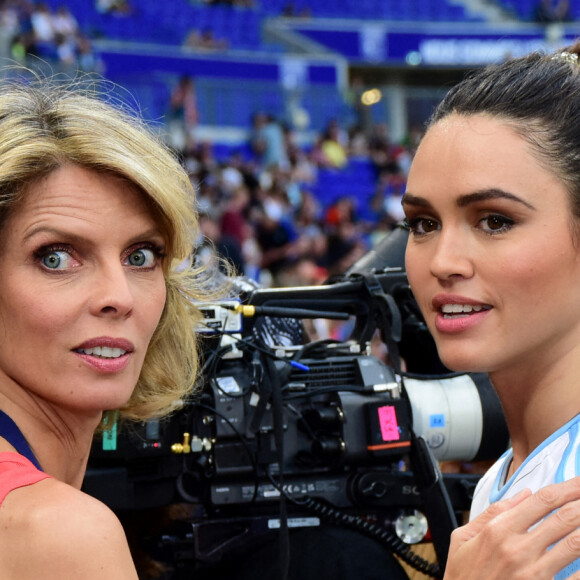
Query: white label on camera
x=295, y=523
x=229, y=385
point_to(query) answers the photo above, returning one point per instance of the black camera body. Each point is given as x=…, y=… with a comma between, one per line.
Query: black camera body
x=325, y=428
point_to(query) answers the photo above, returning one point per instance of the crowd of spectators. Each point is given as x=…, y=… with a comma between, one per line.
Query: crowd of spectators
x=33, y=30
x=260, y=210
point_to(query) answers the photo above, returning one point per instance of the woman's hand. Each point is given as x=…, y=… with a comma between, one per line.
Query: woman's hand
x=499, y=544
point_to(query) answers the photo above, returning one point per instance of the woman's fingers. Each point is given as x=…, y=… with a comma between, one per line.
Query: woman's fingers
x=474, y=549
x=549, y=498
x=528, y=511
x=559, y=534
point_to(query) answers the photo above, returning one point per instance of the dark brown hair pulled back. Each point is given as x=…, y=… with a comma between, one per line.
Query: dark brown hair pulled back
x=538, y=95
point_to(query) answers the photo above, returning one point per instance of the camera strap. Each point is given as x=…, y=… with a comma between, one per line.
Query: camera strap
x=435, y=498
x=10, y=431
x=273, y=377
x=388, y=318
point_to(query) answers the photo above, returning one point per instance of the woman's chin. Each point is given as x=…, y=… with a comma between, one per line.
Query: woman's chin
x=463, y=364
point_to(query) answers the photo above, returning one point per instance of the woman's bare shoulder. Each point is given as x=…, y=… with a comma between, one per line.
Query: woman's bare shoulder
x=52, y=530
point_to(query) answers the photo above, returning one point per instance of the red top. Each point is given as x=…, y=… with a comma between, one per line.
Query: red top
x=17, y=471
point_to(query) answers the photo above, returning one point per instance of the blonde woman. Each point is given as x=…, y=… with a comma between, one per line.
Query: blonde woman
x=95, y=316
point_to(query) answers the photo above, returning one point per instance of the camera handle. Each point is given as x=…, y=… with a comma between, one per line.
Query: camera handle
x=435, y=499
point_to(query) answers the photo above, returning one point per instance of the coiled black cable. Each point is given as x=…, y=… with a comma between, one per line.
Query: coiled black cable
x=395, y=544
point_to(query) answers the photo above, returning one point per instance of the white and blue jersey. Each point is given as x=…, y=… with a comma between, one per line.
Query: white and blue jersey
x=555, y=460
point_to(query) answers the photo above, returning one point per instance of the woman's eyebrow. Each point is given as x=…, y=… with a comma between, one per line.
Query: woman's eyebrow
x=75, y=237
x=469, y=198
x=492, y=193
x=410, y=199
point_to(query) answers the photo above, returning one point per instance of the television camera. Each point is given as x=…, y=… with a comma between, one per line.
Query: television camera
x=286, y=432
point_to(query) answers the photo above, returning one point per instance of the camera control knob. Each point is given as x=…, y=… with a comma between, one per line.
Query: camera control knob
x=375, y=489
x=411, y=527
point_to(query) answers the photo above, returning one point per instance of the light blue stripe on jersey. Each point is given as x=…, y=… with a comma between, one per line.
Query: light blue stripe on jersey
x=568, y=570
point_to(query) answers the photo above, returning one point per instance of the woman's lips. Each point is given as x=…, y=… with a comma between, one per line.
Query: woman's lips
x=108, y=342
x=455, y=313
x=106, y=354
x=454, y=318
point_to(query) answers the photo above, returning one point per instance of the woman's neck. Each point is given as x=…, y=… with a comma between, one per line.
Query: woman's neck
x=60, y=440
x=537, y=401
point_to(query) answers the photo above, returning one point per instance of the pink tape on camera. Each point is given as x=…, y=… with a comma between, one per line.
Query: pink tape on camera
x=389, y=424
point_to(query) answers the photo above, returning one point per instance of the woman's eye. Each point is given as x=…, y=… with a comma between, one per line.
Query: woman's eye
x=428, y=225
x=421, y=226
x=493, y=224
x=142, y=258
x=57, y=260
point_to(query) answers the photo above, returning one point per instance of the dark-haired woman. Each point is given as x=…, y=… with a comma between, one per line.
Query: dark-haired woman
x=493, y=207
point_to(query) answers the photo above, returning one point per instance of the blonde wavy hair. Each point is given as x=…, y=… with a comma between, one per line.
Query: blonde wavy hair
x=45, y=124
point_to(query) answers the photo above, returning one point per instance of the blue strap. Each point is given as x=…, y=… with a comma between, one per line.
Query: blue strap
x=10, y=431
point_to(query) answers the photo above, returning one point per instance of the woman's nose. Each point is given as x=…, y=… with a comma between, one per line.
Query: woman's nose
x=452, y=257
x=112, y=295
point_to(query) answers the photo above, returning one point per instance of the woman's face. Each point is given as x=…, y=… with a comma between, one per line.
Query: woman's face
x=490, y=258
x=82, y=291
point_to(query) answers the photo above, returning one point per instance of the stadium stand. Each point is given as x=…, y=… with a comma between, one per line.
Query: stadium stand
x=297, y=61
x=170, y=22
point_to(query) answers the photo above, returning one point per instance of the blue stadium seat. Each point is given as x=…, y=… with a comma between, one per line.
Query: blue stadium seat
x=169, y=22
